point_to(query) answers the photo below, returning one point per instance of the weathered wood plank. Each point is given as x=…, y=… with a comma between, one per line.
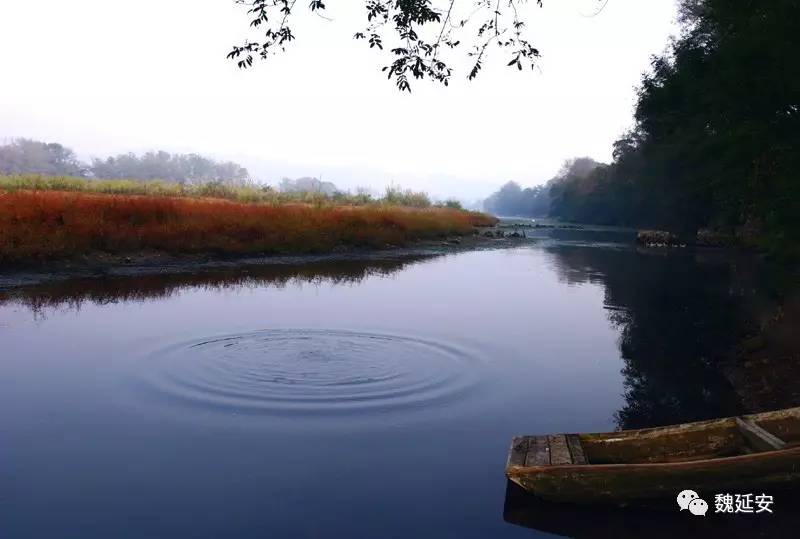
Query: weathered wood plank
x=576, y=449
x=518, y=451
x=621, y=483
x=644, y=464
x=759, y=438
x=559, y=451
x=538, y=451
x=676, y=443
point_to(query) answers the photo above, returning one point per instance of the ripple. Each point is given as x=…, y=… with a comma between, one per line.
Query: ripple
x=310, y=371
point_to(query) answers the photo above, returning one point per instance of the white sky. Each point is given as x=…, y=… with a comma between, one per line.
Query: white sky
x=106, y=77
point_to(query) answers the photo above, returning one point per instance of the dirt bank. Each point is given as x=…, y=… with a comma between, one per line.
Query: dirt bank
x=151, y=262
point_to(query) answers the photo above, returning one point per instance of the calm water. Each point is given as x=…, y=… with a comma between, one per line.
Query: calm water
x=344, y=400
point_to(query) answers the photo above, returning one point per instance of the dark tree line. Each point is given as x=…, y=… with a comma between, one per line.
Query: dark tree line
x=717, y=121
x=23, y=156
x=715, y=137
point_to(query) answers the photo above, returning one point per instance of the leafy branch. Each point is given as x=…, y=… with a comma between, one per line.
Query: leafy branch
x=422, y=33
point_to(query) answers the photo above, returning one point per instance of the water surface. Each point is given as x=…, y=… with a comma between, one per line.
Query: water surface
x=344, y=399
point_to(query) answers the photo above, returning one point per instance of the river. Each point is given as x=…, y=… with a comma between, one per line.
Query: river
x=350, y=398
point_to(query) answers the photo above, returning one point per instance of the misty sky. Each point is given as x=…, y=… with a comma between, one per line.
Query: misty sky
x=105, y=77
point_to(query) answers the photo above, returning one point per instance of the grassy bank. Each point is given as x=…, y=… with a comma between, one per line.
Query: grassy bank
x=237, y=192
x=52, y=222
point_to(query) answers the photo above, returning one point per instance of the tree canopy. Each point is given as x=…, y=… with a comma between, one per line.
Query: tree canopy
x=717, y=122
x=554, y=198
x=161, y=165
x=307, y=185
x=24, y=156
x=512, y=200
x=417, y=36
x=715, y=133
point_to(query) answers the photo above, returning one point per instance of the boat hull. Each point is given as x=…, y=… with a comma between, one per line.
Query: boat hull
x=735, y=454
x=626, y=483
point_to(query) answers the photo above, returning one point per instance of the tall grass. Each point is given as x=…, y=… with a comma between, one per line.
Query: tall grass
x=46, y=224
x=239, y=193
x=406, y=197
x=245, y=193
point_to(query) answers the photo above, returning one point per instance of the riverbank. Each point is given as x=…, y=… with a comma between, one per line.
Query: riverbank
x=764, y=368
x=101, y=265
x=39, y=227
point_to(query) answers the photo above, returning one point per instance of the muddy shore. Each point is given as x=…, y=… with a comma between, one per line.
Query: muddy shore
x=149, y=263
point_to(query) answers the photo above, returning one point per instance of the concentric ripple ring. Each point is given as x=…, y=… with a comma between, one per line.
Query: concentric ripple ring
x=310, y=371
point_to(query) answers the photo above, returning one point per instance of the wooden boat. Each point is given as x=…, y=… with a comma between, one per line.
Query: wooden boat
x=736, y=454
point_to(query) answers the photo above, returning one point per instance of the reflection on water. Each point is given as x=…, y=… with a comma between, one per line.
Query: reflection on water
x=73, y=293
x=662, y=520
x=679, y=315
x=336, y=399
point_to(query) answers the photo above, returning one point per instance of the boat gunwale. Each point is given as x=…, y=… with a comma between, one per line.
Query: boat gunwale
x=699, y=425
x=526, y=470
x=626, y=436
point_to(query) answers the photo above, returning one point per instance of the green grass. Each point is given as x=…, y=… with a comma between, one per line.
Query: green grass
x=236, y=193
x=247, y=193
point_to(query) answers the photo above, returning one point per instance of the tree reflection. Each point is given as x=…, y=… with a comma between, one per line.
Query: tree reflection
x=679, y=316
x=72, y=294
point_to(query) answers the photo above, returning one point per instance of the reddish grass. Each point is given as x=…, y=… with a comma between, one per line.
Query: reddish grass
x=42, y=225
